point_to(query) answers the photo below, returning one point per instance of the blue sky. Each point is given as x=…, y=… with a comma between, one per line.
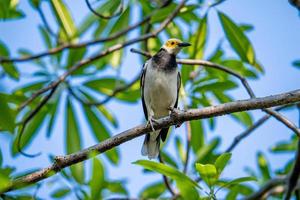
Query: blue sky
x=276, y=42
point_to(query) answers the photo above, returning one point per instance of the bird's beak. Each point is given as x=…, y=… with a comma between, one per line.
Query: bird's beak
x=184, y=44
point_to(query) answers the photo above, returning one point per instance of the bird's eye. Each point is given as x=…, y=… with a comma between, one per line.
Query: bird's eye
x=172, y=43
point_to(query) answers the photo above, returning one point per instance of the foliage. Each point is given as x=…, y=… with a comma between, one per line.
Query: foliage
x=87, y=90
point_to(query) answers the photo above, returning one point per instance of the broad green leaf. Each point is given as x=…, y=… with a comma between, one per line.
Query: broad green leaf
x=30, y=131
x=35, y=3
x=216, y=86
x=116, y=187
x=208, y=173
x=239, y=189
x=238, y=181
x=9, y=68
x=97, y=179
x=238, y=40
x=7, y=118
x=107, y=86
x=199, y=39
x=101, y=133
x=108, y=115
x=64, y=18
x=161, y=14
x=153, y=191
x=222, y=161
x=296, y=63
x=45, y=36
x=206, y=152
x=8, y=10
x=246, y=27
x=263, y=166
x=74, y=56
x=60, y=193
x=168, y=159
x=73, y=141
x=108, y=8
x=197, y=135
x=4, y=180
x=184, y=183
x=286, y=146
x=239, y=67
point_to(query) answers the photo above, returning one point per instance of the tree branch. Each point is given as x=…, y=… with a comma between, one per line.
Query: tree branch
x=248, y=131
x=245, y=83
x=165, y=179
x=192, y=114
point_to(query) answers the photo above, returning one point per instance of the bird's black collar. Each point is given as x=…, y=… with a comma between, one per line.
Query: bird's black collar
x=164, y=60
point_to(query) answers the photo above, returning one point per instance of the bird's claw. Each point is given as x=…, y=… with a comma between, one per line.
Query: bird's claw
x=151, y=121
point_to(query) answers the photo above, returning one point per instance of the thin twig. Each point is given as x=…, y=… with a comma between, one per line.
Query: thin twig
x=166, y=180
x=245, y=83
x=248, y=131
x=117, y=13
x=180, y=117
x=27, y=120
x=75, y=46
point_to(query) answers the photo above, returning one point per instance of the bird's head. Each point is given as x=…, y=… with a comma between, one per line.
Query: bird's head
x=173, y=45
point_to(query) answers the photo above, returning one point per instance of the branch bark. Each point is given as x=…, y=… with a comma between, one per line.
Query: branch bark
x=192, y=114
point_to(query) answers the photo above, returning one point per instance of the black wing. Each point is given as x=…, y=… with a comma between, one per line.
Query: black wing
x=142, y=81
x=164, y=132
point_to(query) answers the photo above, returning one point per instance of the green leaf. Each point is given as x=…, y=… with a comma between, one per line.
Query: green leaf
x=97, y=179
x=73, y=141
x=35, y=3
x=199, y=39
x=9, y=68
x=263, y=166
x=116, y=187
x=238, y=181
x=296, y=63
x=168, y=159
x=101, y=133
x=107, y=86
x=74, y=56
x=161, y=14
x=286, y=146
x=64, y=18
x=108, y=8
x=208, y=173
x=31, y=130
x=153, y=191
x=184, y=183
x=7, y=118
x=46, y=37
x=216, y=86
x=60, y=193
x=108, y=115
x=197, y=135
x=222, y=161
x=238, y=40
x=8, y=10
x=243, y=117
x=206, y=152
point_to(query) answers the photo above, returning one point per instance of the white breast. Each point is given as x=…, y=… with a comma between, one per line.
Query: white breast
x=160, y=91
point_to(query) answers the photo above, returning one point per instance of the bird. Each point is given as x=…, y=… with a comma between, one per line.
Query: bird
x=160, y=83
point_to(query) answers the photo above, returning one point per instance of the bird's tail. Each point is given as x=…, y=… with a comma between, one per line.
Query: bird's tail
x=151, y=145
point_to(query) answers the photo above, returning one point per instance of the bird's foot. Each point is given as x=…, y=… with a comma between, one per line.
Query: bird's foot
x=175, y=114
x=151, y=121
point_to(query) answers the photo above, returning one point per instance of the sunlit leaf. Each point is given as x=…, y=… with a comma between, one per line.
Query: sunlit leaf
x=116, y=187
x=161, y=14
x=208, y=173
x=238, y=181
x=184, y=183
x=197, y=135
x=9, y=68
x=73, y=141
x=152, y=191
x=64, y=18
x=8, y=10
x=238, y=40
x=222, y=161
x=263, y=166
x=101, y=133
x=97, y=179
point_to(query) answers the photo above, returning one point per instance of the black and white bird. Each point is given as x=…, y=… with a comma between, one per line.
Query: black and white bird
x=160, y=85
